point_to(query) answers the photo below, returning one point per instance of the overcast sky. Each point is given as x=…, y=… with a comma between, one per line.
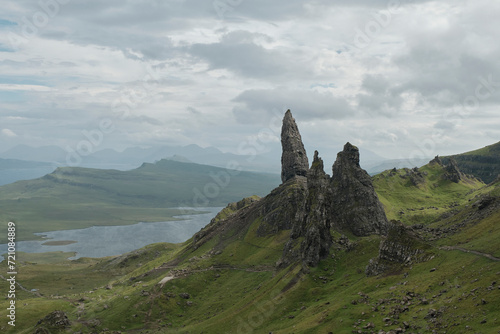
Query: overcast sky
x=399, y=78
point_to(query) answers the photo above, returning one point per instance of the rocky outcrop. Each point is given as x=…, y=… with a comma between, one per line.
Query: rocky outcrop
x=416, y=177
x=53, y=323
x=309, y=205
x=345, y=202
x=355, y=205
x=436, y=161
x=453, y=173
x=310, y=238
x=294, y=158
x=402, y=246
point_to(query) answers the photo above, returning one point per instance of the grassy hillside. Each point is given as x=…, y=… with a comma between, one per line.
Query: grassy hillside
x=419, y=196
x=240, y=291
x=72, y=198
x=483, y=163
x=230, y=283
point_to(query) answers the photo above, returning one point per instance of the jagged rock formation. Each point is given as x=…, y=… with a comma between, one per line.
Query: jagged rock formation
x=453, y=173
x=416, y=177
x=309, y=205
x=312, y=231
x=355, y=206
x=436, y=160
x=294, y=158
x=54, y=322
x=402, y=246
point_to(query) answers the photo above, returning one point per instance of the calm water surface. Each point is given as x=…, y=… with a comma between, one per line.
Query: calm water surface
x=100, y=241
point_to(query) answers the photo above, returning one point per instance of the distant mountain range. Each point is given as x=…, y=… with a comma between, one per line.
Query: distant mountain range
x=76, y=197
x=26, y=162
x=133, y=157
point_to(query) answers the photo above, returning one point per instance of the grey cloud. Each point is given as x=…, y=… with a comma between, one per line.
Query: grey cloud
x=141, y=119
x=279, y=10
x=260, y=105
x=446, y=66
x=379, y=97
x=379, y=104
x=193, y=111
x=376, y=84
x=238, y=53
x=440, y=67
x=444, y=125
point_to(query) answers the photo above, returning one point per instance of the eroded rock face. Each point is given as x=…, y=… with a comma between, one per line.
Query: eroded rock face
x=453, y=173
x=310, y=238
x=309, y=204
x=355, y=204
x=294, y=158
x=402, y=246
x=318, y=239
x=346, y=201
x=437, y=160
x=55, y=321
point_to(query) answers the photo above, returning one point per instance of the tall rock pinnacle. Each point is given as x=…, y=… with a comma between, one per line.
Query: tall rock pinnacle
x=294, y=158
x=355, y=204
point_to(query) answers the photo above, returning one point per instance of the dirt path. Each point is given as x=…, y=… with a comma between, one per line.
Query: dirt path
x=489, y=256
x=23, y=288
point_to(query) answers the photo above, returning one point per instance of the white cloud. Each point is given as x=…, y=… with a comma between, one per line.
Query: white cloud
x=35, y=88
x=8, y=133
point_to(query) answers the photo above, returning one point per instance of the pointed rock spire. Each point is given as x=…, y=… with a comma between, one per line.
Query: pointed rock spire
x=350, y=155
x=453, y=173
x=294, y=158
x=355, y=206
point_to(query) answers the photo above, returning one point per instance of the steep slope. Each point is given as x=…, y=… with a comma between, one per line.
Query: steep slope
x=422, y=195
x=483, y=163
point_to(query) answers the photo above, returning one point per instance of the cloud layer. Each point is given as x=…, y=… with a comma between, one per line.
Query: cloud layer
x=396, y=77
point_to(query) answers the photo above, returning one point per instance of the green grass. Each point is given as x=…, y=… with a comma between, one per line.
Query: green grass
x=425, y=202
x=43, y=258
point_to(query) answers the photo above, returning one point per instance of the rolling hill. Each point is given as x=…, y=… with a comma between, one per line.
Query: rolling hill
x=73, y=197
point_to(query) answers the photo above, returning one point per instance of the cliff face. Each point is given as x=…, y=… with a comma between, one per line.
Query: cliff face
x=309, y=203
x=355, y=205
x=294, y=158
x=310, y=238
x=401, y=246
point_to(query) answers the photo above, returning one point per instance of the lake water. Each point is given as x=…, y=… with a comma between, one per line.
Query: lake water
x=100, y=241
